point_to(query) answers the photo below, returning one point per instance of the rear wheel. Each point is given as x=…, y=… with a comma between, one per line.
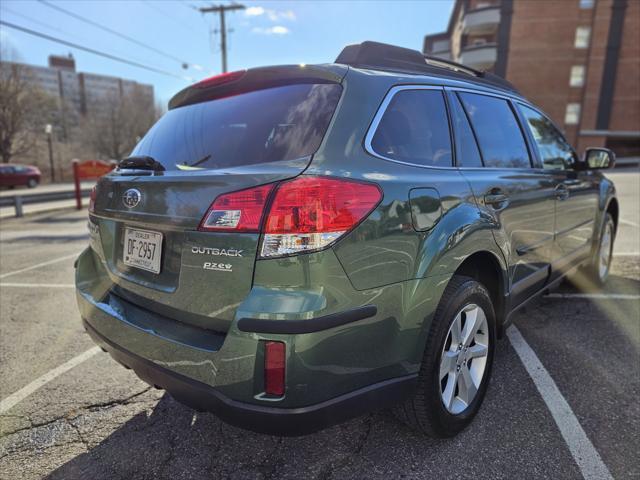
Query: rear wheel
x=457, y=361
x=601, y=261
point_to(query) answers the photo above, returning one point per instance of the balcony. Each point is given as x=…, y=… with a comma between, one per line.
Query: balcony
x=481, y=21
x=480, y=57
x=445, y=55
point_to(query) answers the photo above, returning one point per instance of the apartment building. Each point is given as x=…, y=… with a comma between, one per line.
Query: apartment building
x=579, y=60
x=80, y=95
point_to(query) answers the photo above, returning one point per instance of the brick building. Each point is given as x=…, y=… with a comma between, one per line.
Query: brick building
x=579, y=60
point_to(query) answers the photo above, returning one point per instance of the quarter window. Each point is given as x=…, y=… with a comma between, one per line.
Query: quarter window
x=415, y=129
x=554, y=150
x=499, y=136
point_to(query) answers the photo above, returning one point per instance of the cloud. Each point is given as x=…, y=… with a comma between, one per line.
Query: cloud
x=254, y=11
x=275, y=30
x=273, y=15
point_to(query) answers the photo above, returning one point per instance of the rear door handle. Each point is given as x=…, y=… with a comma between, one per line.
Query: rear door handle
x=496, y=199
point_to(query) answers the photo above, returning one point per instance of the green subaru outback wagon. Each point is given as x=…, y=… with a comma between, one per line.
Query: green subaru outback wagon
x=292, y=246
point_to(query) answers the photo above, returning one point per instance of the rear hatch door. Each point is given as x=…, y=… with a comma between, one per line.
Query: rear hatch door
x=148, y=212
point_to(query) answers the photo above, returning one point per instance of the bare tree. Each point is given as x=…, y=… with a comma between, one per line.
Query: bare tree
x=117, y=122
x=24, y=110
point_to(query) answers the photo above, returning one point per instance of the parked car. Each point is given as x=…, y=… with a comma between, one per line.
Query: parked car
x=19, y=175
x=292, y=246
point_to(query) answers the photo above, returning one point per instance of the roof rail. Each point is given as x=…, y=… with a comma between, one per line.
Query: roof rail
x=451, y=65
x=384, y=56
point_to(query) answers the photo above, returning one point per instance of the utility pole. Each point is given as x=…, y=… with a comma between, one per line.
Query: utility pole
x=221, y=9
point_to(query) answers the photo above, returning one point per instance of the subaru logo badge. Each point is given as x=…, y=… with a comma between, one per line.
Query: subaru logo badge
x=131, y=198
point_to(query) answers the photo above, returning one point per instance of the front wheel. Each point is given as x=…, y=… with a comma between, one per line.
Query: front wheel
x=457, y=361
x=32, y=183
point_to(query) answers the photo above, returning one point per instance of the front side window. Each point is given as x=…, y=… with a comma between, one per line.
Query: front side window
x=554, y=150
x=499, y=136
x=415, y=129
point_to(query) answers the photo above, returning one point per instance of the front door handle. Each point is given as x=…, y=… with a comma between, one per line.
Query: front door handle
x=562, y=192
x=496, y=199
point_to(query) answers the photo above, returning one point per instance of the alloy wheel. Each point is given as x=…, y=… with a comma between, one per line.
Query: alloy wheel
x=464, y=358
x=604, y=255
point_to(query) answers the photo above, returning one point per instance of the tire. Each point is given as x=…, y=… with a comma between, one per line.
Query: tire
x=426, y=411
x=600, y=265
x=32, y=183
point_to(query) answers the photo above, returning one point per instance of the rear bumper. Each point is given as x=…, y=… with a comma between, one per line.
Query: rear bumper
x=262, y=419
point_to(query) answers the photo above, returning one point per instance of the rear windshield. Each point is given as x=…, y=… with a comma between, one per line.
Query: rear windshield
x=282, y=123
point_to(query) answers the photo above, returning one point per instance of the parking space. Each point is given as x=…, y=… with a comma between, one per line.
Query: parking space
x=97, y=420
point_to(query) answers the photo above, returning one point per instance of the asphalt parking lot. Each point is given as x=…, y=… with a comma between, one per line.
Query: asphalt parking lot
x=96, y=420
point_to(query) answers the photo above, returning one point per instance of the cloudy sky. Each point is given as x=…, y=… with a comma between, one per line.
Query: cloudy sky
x=165, y=33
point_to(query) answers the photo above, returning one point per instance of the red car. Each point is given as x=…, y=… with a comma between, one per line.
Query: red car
x=17, y=175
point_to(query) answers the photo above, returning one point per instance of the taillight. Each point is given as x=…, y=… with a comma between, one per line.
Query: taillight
x=309, y=213
x=92, y=199
x=237, y=211
x=274, y=368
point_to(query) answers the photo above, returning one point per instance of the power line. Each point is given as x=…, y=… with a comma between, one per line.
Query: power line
x=162, y=12
x=90, y=50
x=183, y=63
x=221, y=10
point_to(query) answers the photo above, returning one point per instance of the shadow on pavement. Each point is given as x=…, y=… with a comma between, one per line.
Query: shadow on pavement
x=174, y=442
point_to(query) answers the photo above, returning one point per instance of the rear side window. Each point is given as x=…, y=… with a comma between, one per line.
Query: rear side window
x=497, y=130
x=282, y=123
x=415, y=129
x=555, y=152
x=467, y=154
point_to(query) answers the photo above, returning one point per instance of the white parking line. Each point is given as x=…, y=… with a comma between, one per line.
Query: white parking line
x=594, y=296
x=43, y=264
x=584, y=453
x=626, y=254
x=27, y=390
x=38, y=285
x=627, y=222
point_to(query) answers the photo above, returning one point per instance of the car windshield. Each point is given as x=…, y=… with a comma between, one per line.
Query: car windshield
x=269, y=125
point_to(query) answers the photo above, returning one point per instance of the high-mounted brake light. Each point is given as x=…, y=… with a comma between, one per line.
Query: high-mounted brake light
x=220, y=79
x=237, y=211
x=274, y=368
x=309, y=213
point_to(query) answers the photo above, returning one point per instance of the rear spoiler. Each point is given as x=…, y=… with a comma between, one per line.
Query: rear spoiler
x=243, y=81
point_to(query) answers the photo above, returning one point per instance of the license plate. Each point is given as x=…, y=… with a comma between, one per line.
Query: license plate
x=142, y=249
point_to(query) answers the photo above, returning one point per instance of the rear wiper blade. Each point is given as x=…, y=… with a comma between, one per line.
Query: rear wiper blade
x=141, y=162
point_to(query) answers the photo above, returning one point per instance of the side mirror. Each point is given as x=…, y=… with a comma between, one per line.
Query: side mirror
x=599, y=158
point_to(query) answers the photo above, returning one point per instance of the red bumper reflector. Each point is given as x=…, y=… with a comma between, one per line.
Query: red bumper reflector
x=274, y=368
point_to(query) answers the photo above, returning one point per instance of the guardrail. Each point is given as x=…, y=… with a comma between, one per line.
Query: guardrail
x=18, y=200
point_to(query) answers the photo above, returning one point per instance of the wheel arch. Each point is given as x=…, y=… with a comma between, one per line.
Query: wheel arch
x=614, y=209
x=486, y=268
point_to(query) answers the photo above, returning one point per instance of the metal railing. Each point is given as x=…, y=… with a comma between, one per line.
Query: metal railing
x=20, y=199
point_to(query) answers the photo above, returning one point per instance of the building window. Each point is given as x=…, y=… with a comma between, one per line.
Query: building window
x=577, y=76
x=572, y=114
x=585, y=4
x=582, y=37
